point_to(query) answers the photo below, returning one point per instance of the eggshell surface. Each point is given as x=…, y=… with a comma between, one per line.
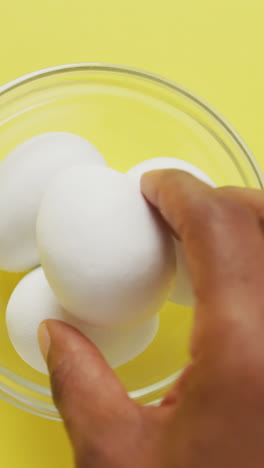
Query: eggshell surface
x=183, y=292
x=25, y=174
x=107, y=255
x=33, y=301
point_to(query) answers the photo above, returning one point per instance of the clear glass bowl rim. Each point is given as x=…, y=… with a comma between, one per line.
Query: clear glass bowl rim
x=30, y=400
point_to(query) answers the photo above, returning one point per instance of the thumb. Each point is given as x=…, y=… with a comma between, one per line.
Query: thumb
x=85, y=389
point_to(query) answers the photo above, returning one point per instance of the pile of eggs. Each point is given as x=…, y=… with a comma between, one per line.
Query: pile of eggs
x=100, y=258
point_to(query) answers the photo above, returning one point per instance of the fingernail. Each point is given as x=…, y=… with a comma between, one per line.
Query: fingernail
x=44, y=339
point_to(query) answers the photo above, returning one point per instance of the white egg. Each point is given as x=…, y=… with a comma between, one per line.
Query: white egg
x=107, y=255
x=183, y=292
x=25, y=174
x=33, y=301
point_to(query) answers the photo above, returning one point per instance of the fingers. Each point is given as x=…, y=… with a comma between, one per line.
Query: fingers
x=219, y=235
x=85, y=389
x=224, y=248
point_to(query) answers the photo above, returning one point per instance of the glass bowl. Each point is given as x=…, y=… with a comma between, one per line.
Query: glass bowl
x=129, y=115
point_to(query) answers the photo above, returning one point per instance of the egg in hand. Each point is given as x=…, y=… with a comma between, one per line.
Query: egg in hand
x=107, y=255
x=25, y=174
x=33, y=301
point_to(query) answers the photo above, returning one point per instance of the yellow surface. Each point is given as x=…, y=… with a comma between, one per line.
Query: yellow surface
x=213, y=49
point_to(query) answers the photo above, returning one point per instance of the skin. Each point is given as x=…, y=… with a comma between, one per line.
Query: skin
x=214, y=415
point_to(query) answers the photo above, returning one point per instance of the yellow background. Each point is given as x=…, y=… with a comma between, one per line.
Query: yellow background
x=213, y=48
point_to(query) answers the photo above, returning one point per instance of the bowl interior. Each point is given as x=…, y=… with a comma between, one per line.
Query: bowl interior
x=129, y=116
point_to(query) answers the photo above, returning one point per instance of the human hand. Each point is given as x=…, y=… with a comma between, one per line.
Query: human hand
x=214, y=415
